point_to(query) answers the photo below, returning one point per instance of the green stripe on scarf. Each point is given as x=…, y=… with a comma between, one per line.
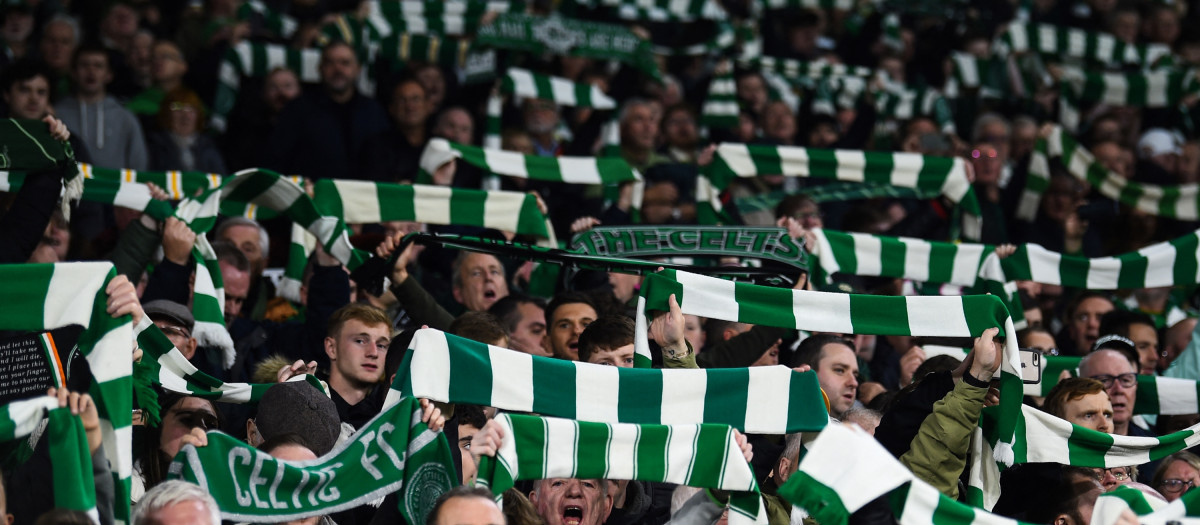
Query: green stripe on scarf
x=527, y=84
x=43, y=297
x=1176, y=202
x=566, y=36
x=946, y=175
x=1043, y=438
x=71, y=461
x=845, y=468
x=451, y=369
x=394, y=451
x=693, y=455
x=966, y=316
x=1058, y=43
x=576, y=170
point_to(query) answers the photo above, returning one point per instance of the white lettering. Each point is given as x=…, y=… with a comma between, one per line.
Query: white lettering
x=243, y=497
x=369, y=459
x=299, y=488
x=329, y=494
x=381, y=440
x=257, y=481
x=275, y=503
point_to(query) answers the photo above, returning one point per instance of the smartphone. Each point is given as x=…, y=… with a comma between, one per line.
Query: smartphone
x=1031, y=366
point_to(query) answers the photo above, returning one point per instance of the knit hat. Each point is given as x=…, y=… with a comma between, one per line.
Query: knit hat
x=298, y=407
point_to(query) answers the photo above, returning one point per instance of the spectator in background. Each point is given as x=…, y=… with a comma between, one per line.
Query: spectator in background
x=178, y=144
x=60, y=37
x=249, y=130
x=319, y=133
x=166, y=74
x=394, y=155
x=140, y=60
x=112, y=134
x=18, y=26
x=252, y=239
x=118, y=27
x=433, y=81
x=681, y=135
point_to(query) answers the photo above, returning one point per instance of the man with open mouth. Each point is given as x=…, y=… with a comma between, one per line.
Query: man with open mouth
x=562, y=501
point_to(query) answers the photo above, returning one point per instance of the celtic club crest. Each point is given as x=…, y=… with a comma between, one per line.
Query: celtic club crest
x=554, y=35
x=430, y=481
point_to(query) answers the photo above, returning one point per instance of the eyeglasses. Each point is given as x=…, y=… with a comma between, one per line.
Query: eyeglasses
x=1045, y=351
x=1126, y=380
x=179, y=106
x=1118, y=473
x=1174, y=486
x=991, y=154
x=196, y=419
x=182, y=332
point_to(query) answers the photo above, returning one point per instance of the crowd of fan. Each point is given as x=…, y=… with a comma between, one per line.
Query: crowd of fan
x=132, y=80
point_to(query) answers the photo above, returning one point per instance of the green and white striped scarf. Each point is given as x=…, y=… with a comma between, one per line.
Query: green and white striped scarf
x=659, y=10
x=904, y=103
x=427, y=17
x=1110, y=505
x=1175, y=262
x=947, y=175
x=1177, y=202
x=43, y=297
x=845, y=468
x=256, y=59
x=1043, y=438
x=124, y=194
x=720, y=109
x=966, y=316
x=793, y=69
x=394, y=451
x=363, y=202
x=693, y=455
x=844, y=5
x=567, y=36
x=526, y=84
x=71, y=460
x=283, y=25
x=575, y=170
x=1057, y=43
x=177, y=184
x=1144, y=89
x=759, y=400
x=1165, y=396
x=969, y=72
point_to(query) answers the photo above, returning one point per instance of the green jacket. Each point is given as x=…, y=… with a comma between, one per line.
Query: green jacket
x=938, y=454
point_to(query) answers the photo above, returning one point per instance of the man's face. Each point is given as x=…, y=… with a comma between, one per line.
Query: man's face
x=168, y=62
x=641, y=127
x=17, y=26
x=358, y=352
x=778, y=122
x=569, y=321
x=679, y=130
x=1085, y=323
x=1093, y=411
x=530, y=331
x=280, y=88
x=753, y=91
x=541, y=116
x=92, y=73
x=1145, y=339
x=571, y=501
x=693, y=331
x=58, y=42
x=246, y=238
x=180, y=336
x=410, y=106
x=1112, y=363
x=470, y=511
x=469, y=469
x=187, y=512
x=621, y=357
x=838, y=374
x=237, y=286
x=481, y=278
x=339, y=68
x=29, y=98
x=456, y=126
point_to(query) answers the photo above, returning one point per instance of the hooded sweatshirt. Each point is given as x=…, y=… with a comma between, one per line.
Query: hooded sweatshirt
x=113, y=136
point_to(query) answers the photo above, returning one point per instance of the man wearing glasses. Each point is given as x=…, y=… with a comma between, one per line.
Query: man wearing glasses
x=176, y=322
x=1117, y=370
